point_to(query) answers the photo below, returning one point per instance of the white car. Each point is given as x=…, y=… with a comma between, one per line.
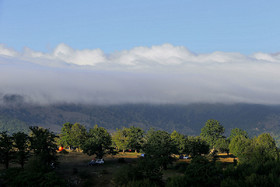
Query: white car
x=99, y=161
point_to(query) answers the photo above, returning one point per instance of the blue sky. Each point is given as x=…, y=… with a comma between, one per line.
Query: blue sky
x=156, y=51
x=201, y=26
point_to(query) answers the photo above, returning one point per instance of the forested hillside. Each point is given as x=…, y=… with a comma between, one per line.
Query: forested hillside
x=187, y=119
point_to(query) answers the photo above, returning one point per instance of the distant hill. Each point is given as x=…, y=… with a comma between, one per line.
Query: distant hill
x=187, y=119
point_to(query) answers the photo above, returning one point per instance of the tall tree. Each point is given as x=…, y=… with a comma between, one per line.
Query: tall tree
x=21, y=141
x=159, y=148
x=196, y=146
x=78, y=135
x=239, y=145
x=120, y=139
x=65, y=135
x=180, y=142
x=98, y=142
x=264, y=148
x=135, y=138
x=6, y=149
x=212, y=131
x=43, y=145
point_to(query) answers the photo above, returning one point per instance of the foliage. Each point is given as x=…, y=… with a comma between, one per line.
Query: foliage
x=21, y=145
x=159, y=148
x=236, y=132
x=222, y=145
x=253, y=174
x=6, y=149
x=19, y=177
x=146, y=173
x=239, y=145
x=180, y=142
x=120, y=139
x=65, y=135
x=196, y=146
x=98, y=142
x=125, y=174
x=263, y=148
x=78, y=135
x=212, y=131
x=135, y=138
x=200, y=172
x=43, y=145
x=72, y=135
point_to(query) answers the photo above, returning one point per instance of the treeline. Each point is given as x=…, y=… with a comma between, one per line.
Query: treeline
x=256, y=163
x=256, y=160
x=36, y=153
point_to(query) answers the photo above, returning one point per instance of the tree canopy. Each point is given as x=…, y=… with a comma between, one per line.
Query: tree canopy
x=98, y=142
x=212, y=131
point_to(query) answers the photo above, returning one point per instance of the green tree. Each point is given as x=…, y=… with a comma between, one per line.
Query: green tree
x=236, y=131
x=43, y=145
x=222, y=145
x=263, y=148
x=239, y=145
x=98, y=142
x=159, y=148
x=196, y=146
x=78, y=135
x=120, y=139
x=65, y=135
x=135, y=138
x=180, y=142
x=21, y=141
x=6, y=149
x=212, y=131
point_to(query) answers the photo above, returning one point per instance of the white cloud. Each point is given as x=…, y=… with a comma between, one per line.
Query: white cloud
x=158, y=74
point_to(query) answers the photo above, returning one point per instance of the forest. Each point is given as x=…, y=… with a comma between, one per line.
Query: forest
x=33, y=159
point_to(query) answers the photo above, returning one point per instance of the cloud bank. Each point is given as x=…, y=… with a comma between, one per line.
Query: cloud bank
x=158, y=74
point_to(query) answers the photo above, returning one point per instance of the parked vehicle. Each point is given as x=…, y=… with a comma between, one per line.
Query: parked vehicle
x=99, y=161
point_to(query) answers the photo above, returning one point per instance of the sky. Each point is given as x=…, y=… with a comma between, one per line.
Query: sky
x=112, y=52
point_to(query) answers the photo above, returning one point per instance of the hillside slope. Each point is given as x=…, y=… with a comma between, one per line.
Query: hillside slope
x=187, y=119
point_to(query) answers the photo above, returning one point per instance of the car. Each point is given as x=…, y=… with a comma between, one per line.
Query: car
x=99, y=161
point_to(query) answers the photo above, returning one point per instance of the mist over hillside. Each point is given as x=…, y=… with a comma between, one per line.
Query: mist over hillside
x=187, y=119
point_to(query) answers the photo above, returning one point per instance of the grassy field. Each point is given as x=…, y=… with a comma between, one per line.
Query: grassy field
x=74, y=168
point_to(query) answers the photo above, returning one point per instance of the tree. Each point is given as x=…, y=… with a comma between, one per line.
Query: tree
x=120, y=139
x=65, y=135
x=222, y=145
x=6, y=149
x=21, y=141
x=196, y=146
x=77, y=135
x=180, y=142
x=239, y=145
x=135, y=138
x=212, y=131
x=236, y=131
x=263, y=148
x=159, y=148
x=43, y=145
x=98, y=142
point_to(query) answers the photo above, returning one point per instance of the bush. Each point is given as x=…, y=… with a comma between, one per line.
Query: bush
x=19, y=177
x=125, y=174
